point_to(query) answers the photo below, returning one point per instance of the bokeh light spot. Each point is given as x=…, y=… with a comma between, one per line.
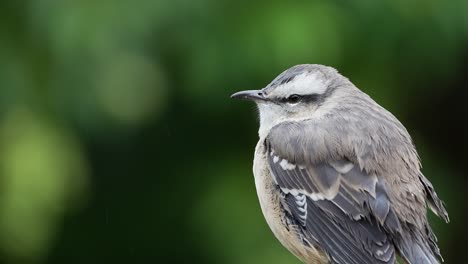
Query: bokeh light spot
x=131, y=89
x=42, y=173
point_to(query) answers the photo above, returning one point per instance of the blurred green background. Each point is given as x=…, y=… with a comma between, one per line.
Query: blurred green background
x=118, y=140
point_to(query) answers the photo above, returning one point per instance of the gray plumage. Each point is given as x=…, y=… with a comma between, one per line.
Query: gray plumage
x=338, y=176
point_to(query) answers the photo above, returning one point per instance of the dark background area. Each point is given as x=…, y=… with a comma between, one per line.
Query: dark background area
x=119, y=143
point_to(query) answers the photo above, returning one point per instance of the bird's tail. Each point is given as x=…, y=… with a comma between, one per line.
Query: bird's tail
x=420, y=249
x=436, y=205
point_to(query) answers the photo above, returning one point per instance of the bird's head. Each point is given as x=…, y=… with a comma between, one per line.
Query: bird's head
x=296, y=94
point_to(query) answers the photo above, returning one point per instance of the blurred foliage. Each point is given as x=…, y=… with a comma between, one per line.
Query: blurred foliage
x=42, y=171
x=118, y=140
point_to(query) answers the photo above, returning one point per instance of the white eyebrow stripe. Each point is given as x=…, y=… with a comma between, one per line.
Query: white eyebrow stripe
x=303, y=84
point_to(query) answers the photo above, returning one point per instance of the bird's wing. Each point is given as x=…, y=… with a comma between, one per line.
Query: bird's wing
x=338, y=206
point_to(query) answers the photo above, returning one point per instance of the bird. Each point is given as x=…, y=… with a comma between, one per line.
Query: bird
x=337, y=176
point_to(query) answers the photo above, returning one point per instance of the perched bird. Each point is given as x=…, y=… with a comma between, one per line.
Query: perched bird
x=338, y=177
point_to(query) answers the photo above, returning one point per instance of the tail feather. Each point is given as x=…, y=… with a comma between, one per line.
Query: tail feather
x=416, y=250
x=436, y=205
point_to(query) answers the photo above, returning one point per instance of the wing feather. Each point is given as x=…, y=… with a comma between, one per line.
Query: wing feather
x=348, y=211
x=339, y=207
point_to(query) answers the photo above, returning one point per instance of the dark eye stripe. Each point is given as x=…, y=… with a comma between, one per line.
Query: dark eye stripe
x=311, y=98
x=308, y=98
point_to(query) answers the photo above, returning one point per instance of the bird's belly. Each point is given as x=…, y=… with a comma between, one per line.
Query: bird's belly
x=274, y=214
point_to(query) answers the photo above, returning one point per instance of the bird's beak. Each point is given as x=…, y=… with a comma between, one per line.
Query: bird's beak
x=252, y=95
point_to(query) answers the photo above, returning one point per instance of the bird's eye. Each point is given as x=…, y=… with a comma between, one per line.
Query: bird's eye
x=294, y=99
